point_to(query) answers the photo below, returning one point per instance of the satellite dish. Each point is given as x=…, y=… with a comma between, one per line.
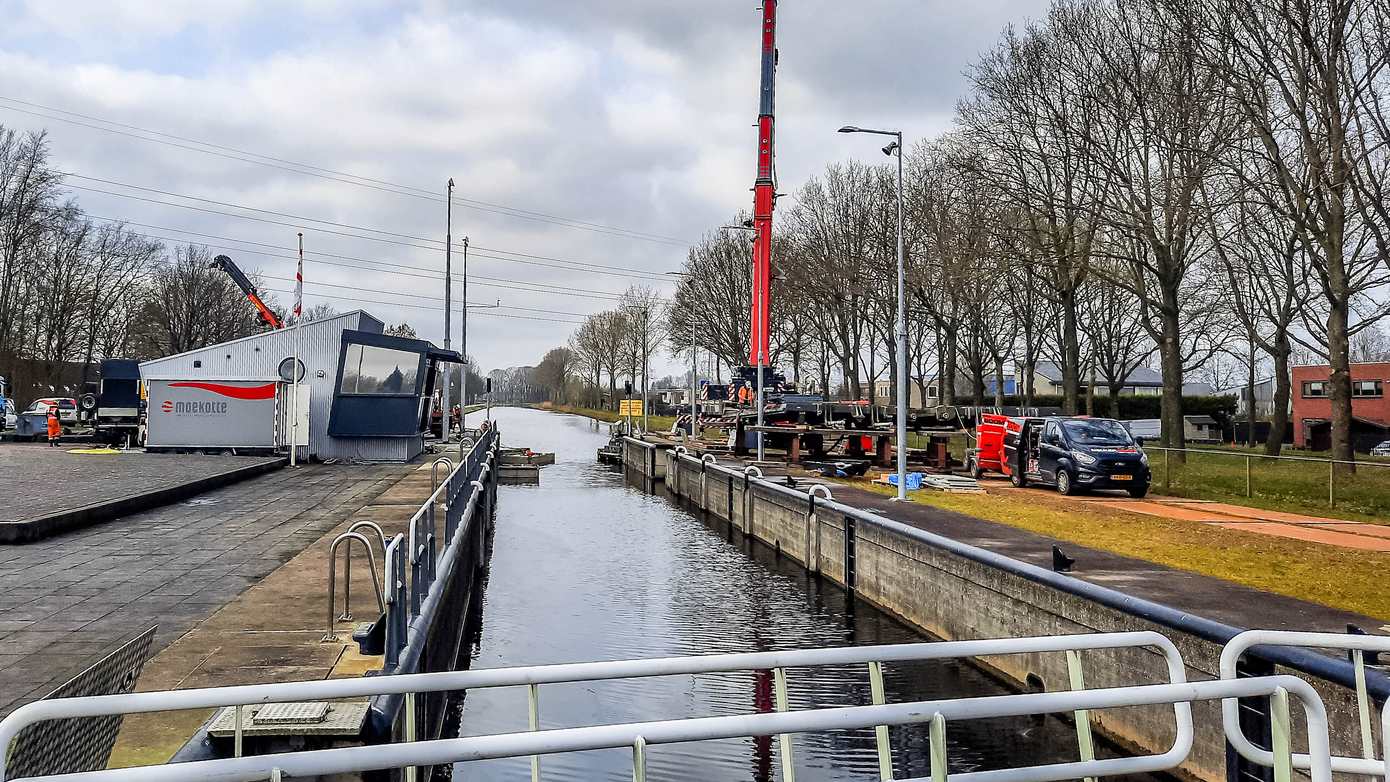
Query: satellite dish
x=291, y=370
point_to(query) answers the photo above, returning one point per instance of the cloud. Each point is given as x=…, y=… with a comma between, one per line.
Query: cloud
x=615, y=112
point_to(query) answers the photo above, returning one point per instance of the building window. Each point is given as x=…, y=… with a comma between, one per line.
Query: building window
x=1314, y=389
x=379, y=371
x=1366, y=388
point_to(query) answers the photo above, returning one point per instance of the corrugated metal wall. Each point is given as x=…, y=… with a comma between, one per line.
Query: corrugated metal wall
x=259, y=356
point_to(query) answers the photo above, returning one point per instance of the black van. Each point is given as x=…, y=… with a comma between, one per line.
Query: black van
x=1077, y=453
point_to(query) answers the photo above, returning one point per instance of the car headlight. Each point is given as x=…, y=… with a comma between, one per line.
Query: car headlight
x=1144, y=458
x=1083, y=458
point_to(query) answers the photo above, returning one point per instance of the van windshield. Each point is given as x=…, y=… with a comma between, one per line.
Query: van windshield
x=1096, y=432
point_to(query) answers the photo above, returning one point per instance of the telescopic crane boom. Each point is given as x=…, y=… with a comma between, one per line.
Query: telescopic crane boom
x=242, y=281
x=764, y=193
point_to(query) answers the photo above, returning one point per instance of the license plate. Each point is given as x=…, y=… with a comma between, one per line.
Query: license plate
x=1122, y=477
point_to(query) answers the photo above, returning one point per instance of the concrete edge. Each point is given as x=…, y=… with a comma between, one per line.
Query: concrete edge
x=43, y=527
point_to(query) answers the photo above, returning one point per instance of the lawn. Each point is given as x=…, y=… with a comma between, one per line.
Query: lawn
x=1340, y=578
x=1361, y=494
x=656, y=423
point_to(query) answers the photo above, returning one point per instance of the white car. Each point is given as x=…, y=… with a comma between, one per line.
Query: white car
x=1381, y=450
x=67, y=408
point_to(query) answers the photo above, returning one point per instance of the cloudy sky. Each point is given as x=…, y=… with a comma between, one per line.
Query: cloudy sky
x=622, y=128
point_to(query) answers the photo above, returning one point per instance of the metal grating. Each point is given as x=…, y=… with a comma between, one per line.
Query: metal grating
x=82, y=744
x=340, y=718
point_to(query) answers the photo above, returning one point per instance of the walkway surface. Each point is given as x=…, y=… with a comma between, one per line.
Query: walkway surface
x=36, y=480
x=1205, y=596
x=274, y=631
x=66, y=601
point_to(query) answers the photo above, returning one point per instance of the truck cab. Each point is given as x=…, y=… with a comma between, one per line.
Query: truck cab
x=1075, y=454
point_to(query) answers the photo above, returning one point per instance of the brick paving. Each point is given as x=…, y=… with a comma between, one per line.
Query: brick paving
x=67, y=600
x=36, y=480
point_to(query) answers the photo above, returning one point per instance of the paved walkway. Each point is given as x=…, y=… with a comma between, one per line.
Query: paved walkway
x=1202, y=595
x=36, y=480
x=66, y=601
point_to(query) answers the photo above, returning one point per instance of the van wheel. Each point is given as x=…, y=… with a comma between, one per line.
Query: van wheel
x=1017, y=479
x=1138, y=492
x=1065, y=485
x=975, y=470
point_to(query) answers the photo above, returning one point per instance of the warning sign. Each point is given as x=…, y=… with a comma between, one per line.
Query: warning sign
x=630, y=407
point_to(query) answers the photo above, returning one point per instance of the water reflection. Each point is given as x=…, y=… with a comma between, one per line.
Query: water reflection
x=588, y=567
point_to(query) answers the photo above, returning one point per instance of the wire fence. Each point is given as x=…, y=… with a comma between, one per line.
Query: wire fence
x=1307, y=481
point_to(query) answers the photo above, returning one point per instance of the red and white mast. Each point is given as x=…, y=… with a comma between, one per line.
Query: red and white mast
x=764, y=194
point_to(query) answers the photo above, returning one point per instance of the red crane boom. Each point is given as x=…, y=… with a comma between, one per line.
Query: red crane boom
x=764, y=194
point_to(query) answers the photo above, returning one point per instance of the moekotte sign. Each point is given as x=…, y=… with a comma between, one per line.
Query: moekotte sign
x=211, y=413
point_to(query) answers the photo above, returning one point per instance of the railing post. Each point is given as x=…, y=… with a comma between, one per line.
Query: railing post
x=1077, y=679
x=1280, y=731
x=784, y=741
x=639, y=760
x=879, y=698
x=410, y=771
x=937, y=738
x=1331, y=481
x=1248, y=491
x=533, y=721
x=237, y=734
x=1167, y=470
x=1363, y=706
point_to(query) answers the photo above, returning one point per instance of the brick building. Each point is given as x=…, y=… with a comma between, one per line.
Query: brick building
x=1370, y=407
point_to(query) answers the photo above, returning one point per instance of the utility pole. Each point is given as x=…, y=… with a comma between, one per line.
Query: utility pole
x=448, y=302
x=646, y=367
x=463, y=378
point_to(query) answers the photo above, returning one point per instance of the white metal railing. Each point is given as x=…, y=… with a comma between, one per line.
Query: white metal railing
x=1358, y=645
x=413, y=754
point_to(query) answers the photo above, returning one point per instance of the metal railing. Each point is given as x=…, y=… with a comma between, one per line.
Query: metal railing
x=1251, y=459
x=1317, y=665
x=1176, y=692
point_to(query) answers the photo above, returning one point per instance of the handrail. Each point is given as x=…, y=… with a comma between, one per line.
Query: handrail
x=348, y=537
x=347, y=564
x=1321, y=666
x=938, y=712
x=1245, y=455
x=1230, y=717
x=400, y=684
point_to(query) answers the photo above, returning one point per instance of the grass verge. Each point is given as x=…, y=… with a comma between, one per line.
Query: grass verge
x=656, y=423
x=1339, y=578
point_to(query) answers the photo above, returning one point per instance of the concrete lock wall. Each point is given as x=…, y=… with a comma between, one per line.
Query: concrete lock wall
x=955, y=598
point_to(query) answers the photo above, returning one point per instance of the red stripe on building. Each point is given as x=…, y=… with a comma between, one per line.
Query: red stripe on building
x=265, y=391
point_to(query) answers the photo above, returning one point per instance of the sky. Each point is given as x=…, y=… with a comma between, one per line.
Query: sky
x=623, y=128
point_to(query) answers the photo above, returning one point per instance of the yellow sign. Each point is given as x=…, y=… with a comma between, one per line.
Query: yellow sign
x=630, y=407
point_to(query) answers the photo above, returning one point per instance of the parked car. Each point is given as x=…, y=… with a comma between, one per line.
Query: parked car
x=1075, y=454
x=67, y=408
x=1381, y=450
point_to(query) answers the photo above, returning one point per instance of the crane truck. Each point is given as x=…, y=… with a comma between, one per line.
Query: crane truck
x=242, y=281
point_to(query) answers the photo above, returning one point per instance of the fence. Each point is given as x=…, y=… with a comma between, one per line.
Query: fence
x=1176, y=692
x=1360, y=486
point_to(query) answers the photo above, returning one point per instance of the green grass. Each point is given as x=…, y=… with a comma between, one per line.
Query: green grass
x=1362, y=494
x=656, y=423
x=1348, y=579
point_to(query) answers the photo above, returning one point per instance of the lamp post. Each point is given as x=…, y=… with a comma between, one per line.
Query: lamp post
x=897, y=146
x=448, y=302
x=694, y=368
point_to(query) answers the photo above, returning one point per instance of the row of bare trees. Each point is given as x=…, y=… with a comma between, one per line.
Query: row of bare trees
x=75, y=290
x=1168, y=183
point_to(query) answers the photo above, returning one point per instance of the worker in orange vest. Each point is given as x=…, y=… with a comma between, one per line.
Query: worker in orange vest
x=55, y=428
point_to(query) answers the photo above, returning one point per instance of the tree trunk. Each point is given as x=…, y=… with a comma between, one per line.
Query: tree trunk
x=1071, y=355
x=1170, y=356
x=1339, y=385
x=999, y=381
x=1250, y=394
x=1279, y=416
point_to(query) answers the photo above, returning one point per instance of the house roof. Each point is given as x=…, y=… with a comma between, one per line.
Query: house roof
x=263, y=334
x=1139, y=376
x=1200, y=420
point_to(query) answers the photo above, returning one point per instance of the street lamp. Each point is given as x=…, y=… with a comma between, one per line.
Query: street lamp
x=897, y=146
x=694, y=368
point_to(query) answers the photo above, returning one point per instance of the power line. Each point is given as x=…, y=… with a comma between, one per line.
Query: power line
x=472, y=305
x=428, y=307
x=567, y=263
x=307, y=169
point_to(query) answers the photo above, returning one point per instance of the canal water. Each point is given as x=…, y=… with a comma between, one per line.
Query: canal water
x=587, y=566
